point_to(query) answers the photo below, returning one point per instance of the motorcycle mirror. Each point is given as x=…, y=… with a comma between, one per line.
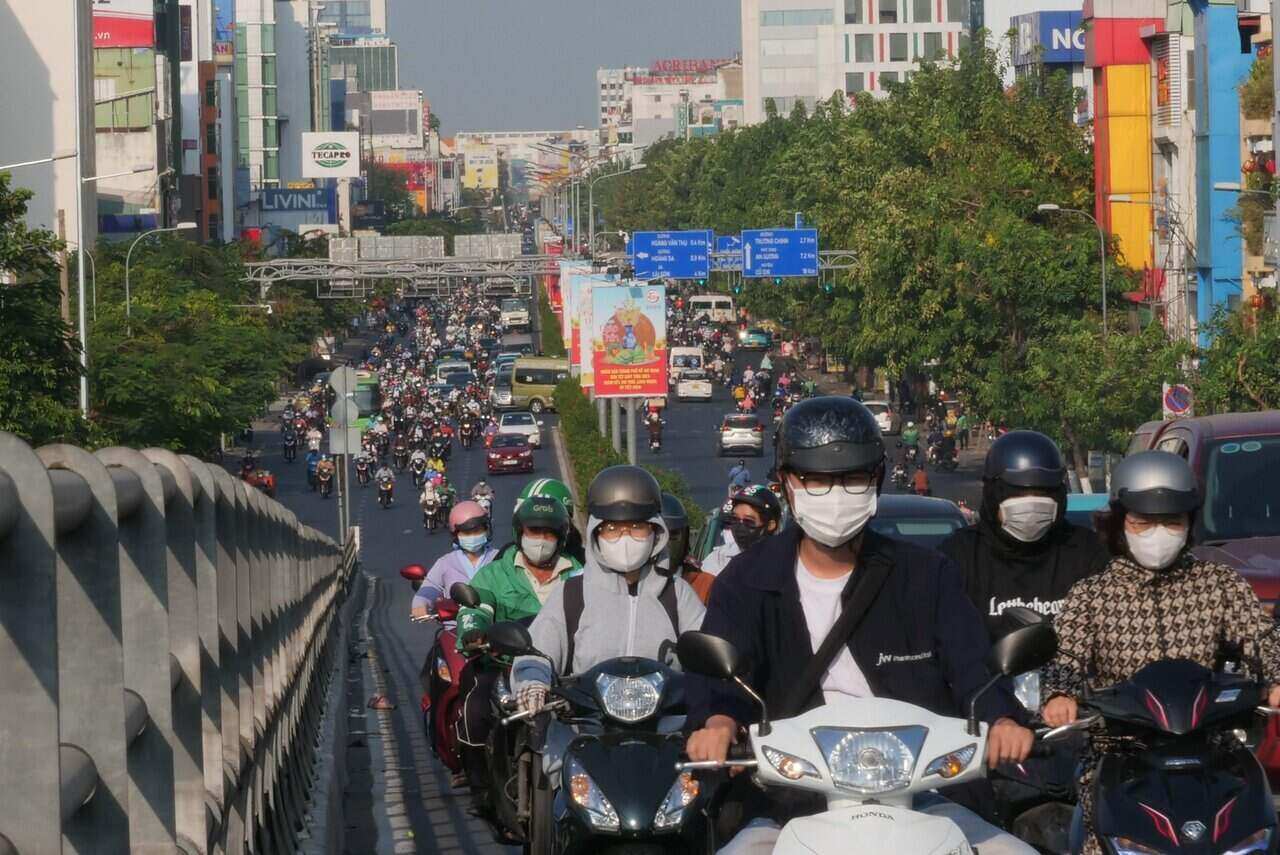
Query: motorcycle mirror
x=1025, y=649
x=1020, y=616
x=509, y=639
x=709, y=655
x=464, y=595
x=413, y=572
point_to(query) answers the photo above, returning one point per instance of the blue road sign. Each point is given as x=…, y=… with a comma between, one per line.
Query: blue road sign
x=722, y=260
x=671, y=255
x=779, y=252
x=801, y=222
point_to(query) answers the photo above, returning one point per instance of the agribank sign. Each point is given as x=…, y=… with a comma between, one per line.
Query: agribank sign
x=1051, y=37
x=331, y=155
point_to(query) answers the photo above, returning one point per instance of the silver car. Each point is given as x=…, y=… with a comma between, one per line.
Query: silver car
x=521, y=424
x=741, y=433
x=887, y=417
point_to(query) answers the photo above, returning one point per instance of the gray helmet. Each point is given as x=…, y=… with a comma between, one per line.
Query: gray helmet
x=624, y=493
x=832, y=433
x=1155, y=482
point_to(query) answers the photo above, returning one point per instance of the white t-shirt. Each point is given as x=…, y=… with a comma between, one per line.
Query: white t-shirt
x=820, y=599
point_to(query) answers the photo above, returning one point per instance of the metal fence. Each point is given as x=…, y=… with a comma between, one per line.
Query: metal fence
x=165, y=644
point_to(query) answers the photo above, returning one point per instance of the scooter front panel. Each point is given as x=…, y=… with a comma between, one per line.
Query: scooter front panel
x=872, y=829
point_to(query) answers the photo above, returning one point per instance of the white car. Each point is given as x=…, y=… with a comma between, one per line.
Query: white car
x=693, y=384
x=887, y=417
x=522, y=424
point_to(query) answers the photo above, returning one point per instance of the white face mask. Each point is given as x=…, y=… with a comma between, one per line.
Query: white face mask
x=624, y=554
x=1027, y=518
x=1156, y=548
x=833, y=519
x=537, y=550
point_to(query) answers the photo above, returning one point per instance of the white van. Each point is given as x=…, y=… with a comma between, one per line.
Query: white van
x=686, y=359
x=717, y=307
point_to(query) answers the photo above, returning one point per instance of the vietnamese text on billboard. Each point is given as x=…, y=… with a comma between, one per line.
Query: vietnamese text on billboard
x=629, y=341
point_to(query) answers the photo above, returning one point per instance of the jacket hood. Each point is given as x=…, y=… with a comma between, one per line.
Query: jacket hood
x=994, y=492
x=592, y=563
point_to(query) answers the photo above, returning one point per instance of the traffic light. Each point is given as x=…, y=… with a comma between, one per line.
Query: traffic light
x=777, y=280
x=702, y=282
x=737, y=288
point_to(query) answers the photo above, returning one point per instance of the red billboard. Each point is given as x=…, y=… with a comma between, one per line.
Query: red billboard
x=124, y=23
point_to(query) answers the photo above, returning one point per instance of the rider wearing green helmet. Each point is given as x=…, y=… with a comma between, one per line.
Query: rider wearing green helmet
x=512, y=587
x=560, y=491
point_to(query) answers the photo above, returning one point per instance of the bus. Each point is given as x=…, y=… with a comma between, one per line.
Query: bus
x=367, y=398
x=716, y=307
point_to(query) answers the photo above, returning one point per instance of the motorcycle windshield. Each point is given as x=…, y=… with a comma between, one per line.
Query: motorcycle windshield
x=1177, y=697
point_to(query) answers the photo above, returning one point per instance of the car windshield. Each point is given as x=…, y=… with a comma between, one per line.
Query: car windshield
x=1238, y=503
x=523, y=419
x=922, y=531
x=513, y=305
x=876, y=409
x=510, y=441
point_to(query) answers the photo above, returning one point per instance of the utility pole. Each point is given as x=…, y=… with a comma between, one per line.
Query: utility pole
x=63, y=280
x=1275, y=84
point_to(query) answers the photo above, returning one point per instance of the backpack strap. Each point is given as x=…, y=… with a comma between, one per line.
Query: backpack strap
x=668, y=599
x=573, y=608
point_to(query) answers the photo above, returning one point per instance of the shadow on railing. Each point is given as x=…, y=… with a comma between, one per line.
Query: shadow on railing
x=165, y=645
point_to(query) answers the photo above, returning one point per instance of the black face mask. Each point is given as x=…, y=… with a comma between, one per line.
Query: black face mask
x=745, y=534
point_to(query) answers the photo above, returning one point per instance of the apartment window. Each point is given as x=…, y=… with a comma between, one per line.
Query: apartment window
x=853, y=11
x=242, y=40
x=269, y=70
x=898, y=47
x=888, y=77
x=211, y=138
x=242, y=66
x=268, y=38
x=270, y=134
x=215, y=227
x=958, y=11
x=271, y=166
x=888, y=11
x=213, y=183
x=854, y=82
x=933, y=46
x=269, y=102
x=864, y=47
x=796, y=18
x=846, y=48
x=210, y=93
x=922, y=11
x=1191, y=80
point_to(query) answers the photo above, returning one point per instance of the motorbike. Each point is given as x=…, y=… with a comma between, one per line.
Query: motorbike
x=362, y=471
x=604, y=779
x=432, y=518
x=1177, y=770
x=385, y=489
x=401, y=456
x=870, y=757
x=419, y=469
x=655, y=440
x=467, y=433
x=899, y=477
x=441, y=699
x=324, y=479
x=290, y=446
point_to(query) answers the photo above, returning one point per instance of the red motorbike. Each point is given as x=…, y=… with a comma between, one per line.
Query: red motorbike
x=441, y=698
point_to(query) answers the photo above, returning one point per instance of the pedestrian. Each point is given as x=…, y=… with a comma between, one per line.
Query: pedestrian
x=962, y=431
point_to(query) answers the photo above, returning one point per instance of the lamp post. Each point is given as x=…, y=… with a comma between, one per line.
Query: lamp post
x=591, y=200
x=180, y=227
x=1050, y=208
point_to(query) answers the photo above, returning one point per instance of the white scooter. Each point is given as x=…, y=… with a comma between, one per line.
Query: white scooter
x=869, y=757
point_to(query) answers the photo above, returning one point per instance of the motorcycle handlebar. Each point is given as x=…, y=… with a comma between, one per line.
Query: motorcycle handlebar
x=695, y=765
x=1046, y=734
x=550, y=706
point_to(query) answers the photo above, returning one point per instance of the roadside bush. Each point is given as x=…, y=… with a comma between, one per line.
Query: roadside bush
x=552, y=342
x=589, y=452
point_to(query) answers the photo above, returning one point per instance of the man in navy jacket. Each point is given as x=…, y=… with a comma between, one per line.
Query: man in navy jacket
x=829, y=608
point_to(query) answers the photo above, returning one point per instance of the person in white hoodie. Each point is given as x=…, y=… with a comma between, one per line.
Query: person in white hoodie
x=620, y=605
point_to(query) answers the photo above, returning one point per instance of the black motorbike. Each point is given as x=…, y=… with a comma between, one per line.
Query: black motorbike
x=467, y=433
x=385, y=488
x=611, y=748
x=362, y=471
x=419, y=469
x=290, y=446
x=324, y=481
x=401, y=456
x=1176, y=769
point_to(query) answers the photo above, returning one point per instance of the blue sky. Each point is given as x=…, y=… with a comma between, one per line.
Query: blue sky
x=530, y=64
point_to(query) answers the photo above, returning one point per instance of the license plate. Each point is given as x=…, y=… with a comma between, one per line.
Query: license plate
x=510, y=462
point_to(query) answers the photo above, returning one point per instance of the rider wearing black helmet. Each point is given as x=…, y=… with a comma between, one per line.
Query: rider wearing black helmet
x=751, y=514
x=1022, y=551
x=678, y=559
x=886, y=618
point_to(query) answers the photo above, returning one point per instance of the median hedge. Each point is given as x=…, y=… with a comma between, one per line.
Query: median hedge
x=589, y=452
x=552, y=342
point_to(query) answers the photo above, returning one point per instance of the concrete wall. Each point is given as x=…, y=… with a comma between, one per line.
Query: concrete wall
x=38, y=62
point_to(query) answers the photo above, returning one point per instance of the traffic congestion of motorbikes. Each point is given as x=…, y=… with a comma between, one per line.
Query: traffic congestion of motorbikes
x=1033, y=685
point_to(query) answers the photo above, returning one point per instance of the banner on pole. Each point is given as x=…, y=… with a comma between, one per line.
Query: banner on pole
x=629, y=341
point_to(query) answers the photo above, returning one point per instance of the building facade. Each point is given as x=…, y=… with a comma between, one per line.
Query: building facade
x=678, y=98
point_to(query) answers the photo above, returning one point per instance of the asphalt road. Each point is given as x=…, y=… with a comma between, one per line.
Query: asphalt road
x=400, y=799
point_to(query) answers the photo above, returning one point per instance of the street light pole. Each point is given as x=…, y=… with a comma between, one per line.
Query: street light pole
x=127, y=256
x=1050, y=208
x=591, y=201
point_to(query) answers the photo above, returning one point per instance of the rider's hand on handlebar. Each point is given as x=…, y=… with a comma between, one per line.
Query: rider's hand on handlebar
x=1008, y=742
x=713, y=740
x=1061, y=710
x=532, y=697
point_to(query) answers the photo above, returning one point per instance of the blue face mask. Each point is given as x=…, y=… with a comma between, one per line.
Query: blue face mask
x=473, y=543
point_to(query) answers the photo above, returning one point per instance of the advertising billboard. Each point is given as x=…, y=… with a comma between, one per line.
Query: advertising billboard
x=1050, y=37
x=124, y=23
x=629, y=341
x=331, y=155
x=315, y=199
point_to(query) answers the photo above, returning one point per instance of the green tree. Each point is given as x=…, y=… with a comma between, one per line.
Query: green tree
x=1240, y=370
x=391, y=187
x=39, y=352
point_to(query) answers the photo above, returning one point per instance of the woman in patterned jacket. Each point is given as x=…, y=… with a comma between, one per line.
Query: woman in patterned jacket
x=1154, y=600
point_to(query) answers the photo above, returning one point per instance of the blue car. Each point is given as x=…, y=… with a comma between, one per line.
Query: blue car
x=755, y=339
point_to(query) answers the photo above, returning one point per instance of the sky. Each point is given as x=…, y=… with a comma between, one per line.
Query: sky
x=531, y=64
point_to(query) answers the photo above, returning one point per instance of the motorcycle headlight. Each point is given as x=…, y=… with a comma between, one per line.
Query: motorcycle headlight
x=629, y=699
x=1259, y=841
x=1125, y=846
x=789, y=766
x=679, y=797
x=587, y=795
x=950, y=765
x=870, y=761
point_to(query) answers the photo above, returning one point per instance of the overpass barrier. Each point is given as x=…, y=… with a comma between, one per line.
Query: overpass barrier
x=166, y=640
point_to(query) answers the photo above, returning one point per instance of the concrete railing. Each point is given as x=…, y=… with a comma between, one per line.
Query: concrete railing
x=165, y=646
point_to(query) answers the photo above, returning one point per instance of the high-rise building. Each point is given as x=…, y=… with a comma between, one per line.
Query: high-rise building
x=792, y=54
x=38, y=59
x=354, y=17
x=670, y=98
x=257, y=104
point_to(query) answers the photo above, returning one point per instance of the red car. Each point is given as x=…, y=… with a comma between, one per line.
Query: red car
x=509, y=453
x=1235, y=457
